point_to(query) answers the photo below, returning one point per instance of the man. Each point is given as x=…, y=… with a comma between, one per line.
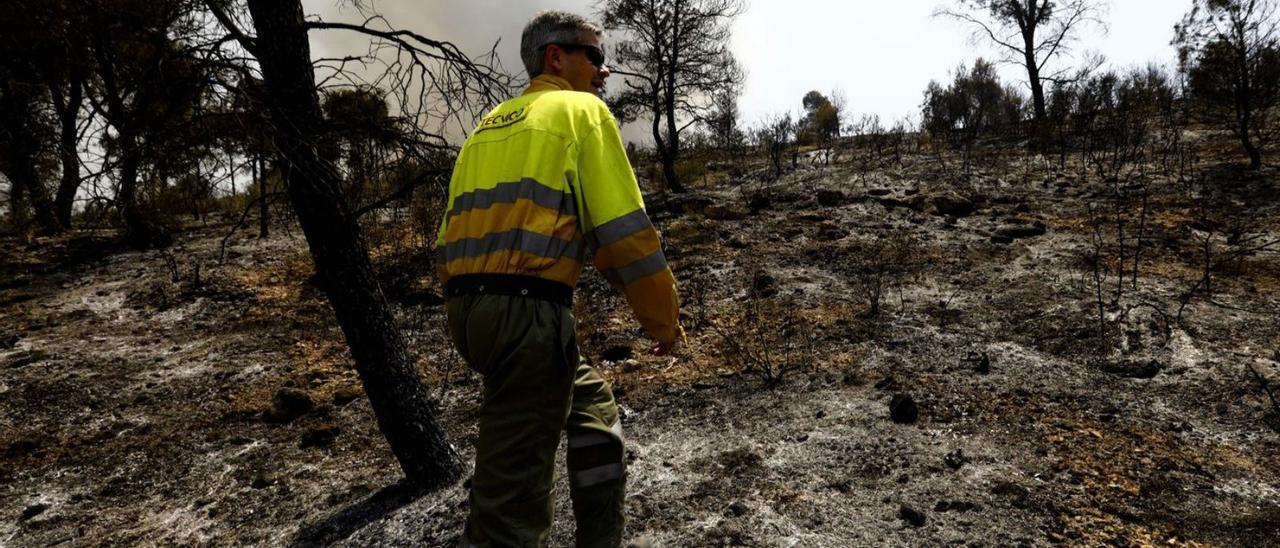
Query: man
x=541, y=182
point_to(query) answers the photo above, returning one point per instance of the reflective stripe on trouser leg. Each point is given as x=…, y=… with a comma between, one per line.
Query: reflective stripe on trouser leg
x=597, y=475
x=524, y=348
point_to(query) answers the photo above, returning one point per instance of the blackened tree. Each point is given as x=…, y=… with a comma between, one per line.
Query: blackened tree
x=1032, y=33
x=26, y=130
x=675, y=56
x=304, y=147
x=724, y=122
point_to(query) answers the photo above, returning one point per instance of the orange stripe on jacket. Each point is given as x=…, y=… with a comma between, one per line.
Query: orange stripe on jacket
x=564, y=269
x=523, y=214
x=628, y=250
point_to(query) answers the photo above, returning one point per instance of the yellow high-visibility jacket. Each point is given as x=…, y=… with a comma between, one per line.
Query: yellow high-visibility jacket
x=541, y=182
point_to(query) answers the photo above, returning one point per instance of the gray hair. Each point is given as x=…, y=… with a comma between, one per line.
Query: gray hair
x=549, y=27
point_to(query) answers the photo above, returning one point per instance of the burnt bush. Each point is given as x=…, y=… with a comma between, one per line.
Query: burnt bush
x=766, y=335
x=875, y=267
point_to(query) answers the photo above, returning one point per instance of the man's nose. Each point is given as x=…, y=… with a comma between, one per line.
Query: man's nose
x=604, y=72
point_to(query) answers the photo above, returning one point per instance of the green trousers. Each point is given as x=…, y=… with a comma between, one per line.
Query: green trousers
x=535, y=387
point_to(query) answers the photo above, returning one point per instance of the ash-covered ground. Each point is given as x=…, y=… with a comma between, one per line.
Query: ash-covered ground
x=1015, y=383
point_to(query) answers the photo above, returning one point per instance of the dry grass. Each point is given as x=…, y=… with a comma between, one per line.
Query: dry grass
x=1119, y=467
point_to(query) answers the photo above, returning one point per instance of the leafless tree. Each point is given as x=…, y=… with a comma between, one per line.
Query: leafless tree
x=1031, y=33
x=724, y=122
x=675, y=56
x=774, y=136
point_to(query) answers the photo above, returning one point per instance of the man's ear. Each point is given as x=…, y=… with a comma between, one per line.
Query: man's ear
x=554, y=59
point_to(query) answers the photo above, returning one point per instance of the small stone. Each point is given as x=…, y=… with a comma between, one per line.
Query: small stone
x=903, y=409
x=289, y=404
x=842, y=486
x=830, y=198
x=260, y=482
x=1016, y=231
x=720, y=212
x=320, y=436
x=912, y=516
x=27, y=358
x=952, y=205
x=346, y=394
x=764, y=285
x=1017, y=493
x=690, y=204
x=891, y=203
x=955, y=459
x=829, y=232
x=21, y=448
x=736, y=509
x=1133, y=369
x=981, y=361
x=616, y=350
x=33, y=511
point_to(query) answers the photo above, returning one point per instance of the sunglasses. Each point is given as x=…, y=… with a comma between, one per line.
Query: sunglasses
x=594, y=54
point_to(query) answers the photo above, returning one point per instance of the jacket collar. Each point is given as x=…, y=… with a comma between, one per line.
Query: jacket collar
x=547, y=82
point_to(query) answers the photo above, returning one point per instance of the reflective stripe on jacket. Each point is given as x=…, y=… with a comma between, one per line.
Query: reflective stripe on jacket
x=541, y=182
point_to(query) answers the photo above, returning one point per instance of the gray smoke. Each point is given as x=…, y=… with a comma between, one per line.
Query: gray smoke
x=474, y=26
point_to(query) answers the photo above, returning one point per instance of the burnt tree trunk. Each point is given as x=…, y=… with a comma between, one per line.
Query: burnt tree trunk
x=140, y=230
x=264, y=209
x=17, y=205
x=660, y=144
x=1251, y=149
x=22, y=146
x=1244, y=103
x=672, y=152
x=1038, y=114
x=405, y=414
x=68, y=110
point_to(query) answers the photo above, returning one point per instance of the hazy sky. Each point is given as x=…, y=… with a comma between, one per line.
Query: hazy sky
x=881, y=54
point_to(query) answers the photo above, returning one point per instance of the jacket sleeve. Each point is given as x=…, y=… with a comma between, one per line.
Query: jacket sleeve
x=625, y=244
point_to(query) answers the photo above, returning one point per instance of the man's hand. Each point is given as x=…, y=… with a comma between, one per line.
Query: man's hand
x=662, y=349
